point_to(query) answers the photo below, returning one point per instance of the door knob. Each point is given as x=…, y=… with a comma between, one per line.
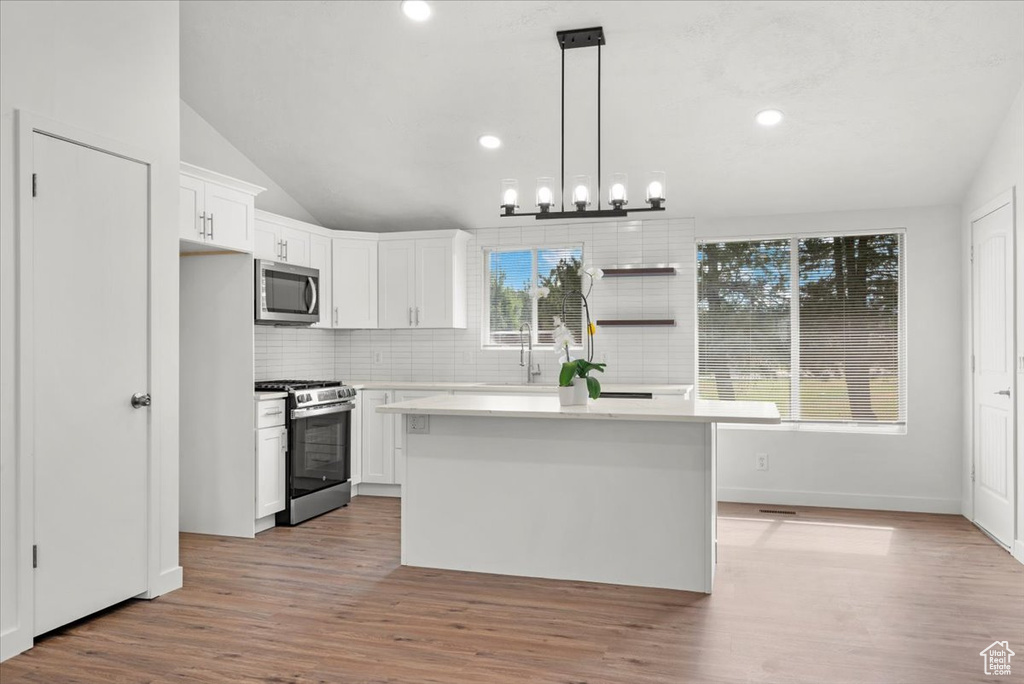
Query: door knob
x=140, y=400
x=1004, y=392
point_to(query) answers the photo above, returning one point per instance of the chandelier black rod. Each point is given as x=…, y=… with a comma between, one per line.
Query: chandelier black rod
x=598, y=125
x=563, y=129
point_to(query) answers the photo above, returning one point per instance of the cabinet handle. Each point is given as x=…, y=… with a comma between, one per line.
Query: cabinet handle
x=335, y=316
x=410, y=316
x=285, y=244
x=275, y=412
x=278, y=251
x=417, y=316
x=202, y=231
x=211, y=225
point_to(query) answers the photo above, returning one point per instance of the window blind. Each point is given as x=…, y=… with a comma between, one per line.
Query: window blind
x=511, y=277
x=814, y=324
x=851, y=347
x=743, y=320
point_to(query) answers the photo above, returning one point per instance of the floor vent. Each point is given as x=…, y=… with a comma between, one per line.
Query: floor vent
x=775, y=511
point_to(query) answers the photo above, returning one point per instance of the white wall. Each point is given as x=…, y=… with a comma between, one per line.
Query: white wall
x=203, y=145
x=918, y=471
x=110, y=68
x=1001, y=170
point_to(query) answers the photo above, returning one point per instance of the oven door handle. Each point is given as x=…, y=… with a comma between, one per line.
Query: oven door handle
x=298, y=414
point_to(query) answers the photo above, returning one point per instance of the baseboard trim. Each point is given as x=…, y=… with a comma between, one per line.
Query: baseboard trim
x=14, y=641
x=1018, y=550
x=167, y=581
x=375, y=489
x=910, y=504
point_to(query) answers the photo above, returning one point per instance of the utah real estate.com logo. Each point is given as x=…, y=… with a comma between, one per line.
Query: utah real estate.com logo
x=997, y=658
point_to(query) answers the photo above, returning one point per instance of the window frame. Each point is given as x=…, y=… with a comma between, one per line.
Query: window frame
x=791, y=424
x=485, y=300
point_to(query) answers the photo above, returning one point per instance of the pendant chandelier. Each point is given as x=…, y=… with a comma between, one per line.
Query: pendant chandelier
x=581, y=194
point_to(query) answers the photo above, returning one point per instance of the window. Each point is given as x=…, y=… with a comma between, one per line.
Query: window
x=511, y=279
x=814, y=324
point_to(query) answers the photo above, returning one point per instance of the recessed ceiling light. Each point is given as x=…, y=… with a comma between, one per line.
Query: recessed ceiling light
x=491, y=142
x=417, y=10
x=769, y=117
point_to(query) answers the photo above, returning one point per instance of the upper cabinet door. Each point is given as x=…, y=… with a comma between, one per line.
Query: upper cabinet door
x=434, y=272
x=354, y=278
x=296, y=246
x=190, y=225
x=396, y=296
x=229, y=215
x=320, y=259
x=267, y=241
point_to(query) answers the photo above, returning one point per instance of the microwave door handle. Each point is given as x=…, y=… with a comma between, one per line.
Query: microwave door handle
x=312, y=287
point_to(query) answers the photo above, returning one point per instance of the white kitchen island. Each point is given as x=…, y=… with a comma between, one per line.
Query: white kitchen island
x=621, y=491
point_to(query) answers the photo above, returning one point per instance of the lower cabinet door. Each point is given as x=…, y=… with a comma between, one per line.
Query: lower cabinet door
x=271, y=451
x=378, y=446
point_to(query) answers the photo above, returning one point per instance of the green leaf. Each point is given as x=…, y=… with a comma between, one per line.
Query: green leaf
x=593, y=387
x=586, y=366
x=567, y=373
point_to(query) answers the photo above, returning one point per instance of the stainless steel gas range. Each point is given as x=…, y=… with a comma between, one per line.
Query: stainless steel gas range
x=319, y=462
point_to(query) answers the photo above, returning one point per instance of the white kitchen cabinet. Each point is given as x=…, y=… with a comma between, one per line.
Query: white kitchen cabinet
x=354, y=282
x=378, y=439
x=320, y=259
x=271, y=451
x=215, y=211
x=281, y=239
x=396, y=295
x=422, y=281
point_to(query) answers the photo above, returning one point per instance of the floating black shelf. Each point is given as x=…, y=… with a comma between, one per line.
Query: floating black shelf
x=637, y=322
x=636, y=271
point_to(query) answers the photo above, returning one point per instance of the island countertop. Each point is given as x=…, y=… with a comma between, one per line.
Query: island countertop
x=662, y=409
x=509, y=388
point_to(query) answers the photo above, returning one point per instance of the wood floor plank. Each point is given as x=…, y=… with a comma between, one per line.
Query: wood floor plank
x=825, y=595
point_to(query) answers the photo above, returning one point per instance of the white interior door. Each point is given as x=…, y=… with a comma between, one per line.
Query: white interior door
x=992, y=279
x=90, y=310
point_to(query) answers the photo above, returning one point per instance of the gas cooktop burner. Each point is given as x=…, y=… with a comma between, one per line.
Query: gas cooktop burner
x=294, y=385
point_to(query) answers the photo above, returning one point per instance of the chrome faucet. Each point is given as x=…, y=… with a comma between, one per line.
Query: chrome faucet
x=526, y=353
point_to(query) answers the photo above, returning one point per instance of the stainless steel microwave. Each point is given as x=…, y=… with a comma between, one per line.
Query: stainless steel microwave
x=286, y=294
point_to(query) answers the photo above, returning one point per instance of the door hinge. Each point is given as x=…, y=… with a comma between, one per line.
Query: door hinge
x=972, y=472
x=34, y=185
x=35, y=556
x=972, y=363
x=972, y=254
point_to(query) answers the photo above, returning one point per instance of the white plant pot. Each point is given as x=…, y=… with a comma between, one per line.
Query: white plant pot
x=577, y=395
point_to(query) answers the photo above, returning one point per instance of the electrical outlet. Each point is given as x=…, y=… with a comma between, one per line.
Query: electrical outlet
x=378, y=358
x=418, y=424
x=761, y=461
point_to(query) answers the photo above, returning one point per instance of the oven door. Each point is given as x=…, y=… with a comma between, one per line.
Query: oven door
x=287, y=294
x=319, y=448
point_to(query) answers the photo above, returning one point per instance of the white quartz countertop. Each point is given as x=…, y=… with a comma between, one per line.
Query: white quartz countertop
x=267, y=396
x=495, y=387
x=666, y=409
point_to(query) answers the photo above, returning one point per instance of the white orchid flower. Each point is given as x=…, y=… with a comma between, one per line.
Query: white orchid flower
x=539, y=292
x=563, y=338
x=593, y=271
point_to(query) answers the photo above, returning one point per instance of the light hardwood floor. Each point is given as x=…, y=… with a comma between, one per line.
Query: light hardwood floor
x=821, y=596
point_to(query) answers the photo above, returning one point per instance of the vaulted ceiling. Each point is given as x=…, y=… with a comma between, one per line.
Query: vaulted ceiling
x=371, y=121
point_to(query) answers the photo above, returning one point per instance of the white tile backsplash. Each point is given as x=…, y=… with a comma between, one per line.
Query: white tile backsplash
x=634, y=355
